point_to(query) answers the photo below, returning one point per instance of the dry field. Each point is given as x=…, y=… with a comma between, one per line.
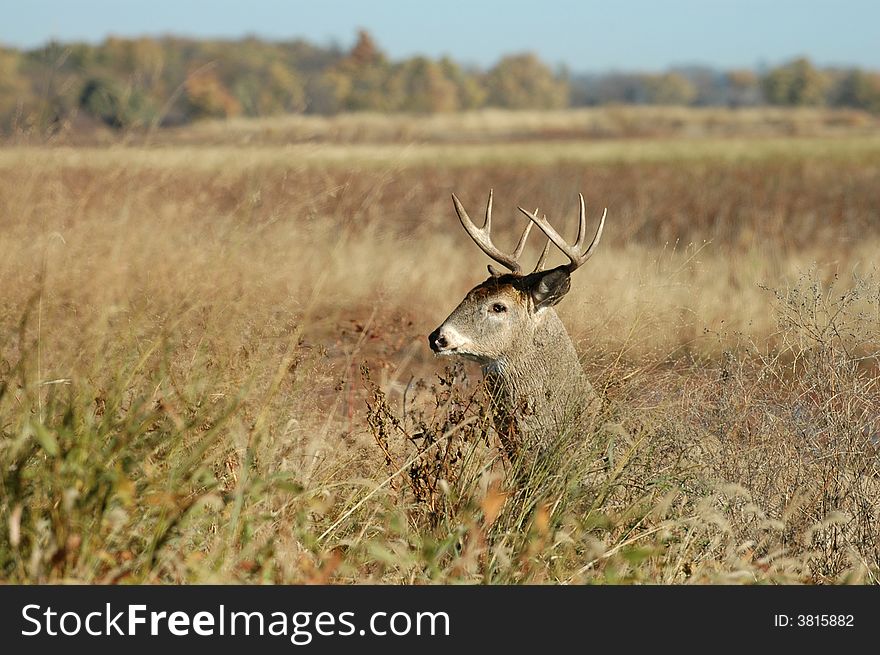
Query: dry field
x=214, y=366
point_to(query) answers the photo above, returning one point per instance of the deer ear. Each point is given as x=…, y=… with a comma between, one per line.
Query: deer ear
x=548, y=287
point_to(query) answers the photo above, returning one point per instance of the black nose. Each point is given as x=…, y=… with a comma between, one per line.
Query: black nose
x=437, y=341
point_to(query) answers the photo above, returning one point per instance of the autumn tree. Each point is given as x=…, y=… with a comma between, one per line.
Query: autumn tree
x=470, y=92
x=420, y=85
x=360, y=80
x=205, y=96
x=669, y=89
x=524, y=82
x=14, y=87
x=115, y=105
x=272, y=88
x=795, y=83
x=365, y=51
x=326, y=92
x=743, y=88
x=859, y=89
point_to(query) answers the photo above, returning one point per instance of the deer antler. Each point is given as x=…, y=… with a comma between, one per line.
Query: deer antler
x=483, y=239
x=575, y=253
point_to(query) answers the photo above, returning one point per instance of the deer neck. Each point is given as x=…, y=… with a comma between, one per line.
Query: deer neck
x=539, y=384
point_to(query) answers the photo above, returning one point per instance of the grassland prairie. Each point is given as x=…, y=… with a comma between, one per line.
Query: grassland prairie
x=214, y=367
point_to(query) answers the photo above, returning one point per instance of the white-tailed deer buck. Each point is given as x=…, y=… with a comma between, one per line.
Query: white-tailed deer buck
x=508, y=325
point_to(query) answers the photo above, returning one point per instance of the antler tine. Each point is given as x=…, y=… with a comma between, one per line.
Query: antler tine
x=522, y=243
x=597, y=237
x=546, y=251
x=483, y=239
x=582, y=223
x=543, y=258
x=575, y=253
x=487, y=224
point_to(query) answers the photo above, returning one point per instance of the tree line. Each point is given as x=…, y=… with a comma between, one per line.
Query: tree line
x=152, y=82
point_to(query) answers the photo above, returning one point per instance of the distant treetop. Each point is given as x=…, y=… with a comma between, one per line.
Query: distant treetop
x=148, y=83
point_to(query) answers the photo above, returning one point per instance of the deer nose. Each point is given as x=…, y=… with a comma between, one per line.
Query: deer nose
x=437, y=341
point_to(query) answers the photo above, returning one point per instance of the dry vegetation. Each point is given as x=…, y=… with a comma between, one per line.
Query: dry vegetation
x=213, y=363
x=492, y=125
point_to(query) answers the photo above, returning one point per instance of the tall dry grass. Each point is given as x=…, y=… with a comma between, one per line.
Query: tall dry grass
x=204, y=365
x=500, y=126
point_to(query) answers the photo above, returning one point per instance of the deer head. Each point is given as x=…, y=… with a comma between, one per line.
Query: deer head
x=499, y=317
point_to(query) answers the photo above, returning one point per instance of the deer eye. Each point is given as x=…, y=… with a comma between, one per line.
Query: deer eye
x=498, y=308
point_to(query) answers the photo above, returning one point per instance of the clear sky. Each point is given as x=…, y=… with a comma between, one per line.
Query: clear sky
x=586, y=36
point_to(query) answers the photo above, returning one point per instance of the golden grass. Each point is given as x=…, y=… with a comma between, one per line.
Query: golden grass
x=218, y=159
x=497, y=125
x=182, y=332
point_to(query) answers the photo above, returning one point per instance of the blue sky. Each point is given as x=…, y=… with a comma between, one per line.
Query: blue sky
x=586, y=36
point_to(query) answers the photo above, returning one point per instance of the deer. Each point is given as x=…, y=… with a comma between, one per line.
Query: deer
x=507, y=324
